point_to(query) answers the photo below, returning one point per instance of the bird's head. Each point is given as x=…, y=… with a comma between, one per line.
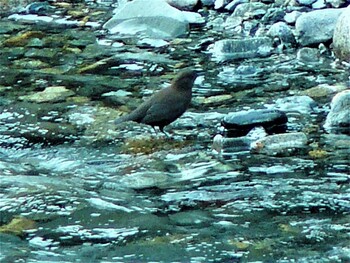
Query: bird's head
x=184, y=79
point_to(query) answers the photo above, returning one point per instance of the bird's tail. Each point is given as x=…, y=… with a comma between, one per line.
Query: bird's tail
x=128, y=117
x=121, y=119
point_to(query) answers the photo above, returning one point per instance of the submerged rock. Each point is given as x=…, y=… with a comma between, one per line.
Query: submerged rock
x=231, y=6
x=22, y=39
x=336, y=3
x=30, y=18
x=240, y=123
x=40, y=8
x=308, y=55
x=300, y=104
x=338, y=119
x=251, y=10
x=278, y=144
x=229, y=49
x=18, y=226
x=341, y=37
x=208, y=2
x=230, y=145
x=50, y=94
x=317, y=26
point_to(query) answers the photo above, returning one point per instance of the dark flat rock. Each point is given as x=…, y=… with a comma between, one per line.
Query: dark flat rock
x=240, y=123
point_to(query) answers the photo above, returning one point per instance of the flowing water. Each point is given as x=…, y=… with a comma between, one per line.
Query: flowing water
x=93, y=198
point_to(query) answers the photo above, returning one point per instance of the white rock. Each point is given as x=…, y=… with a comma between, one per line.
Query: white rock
x=193, y=18
x=319, y=4
x=341, y=37
x=301, y=104
x=338, y=118
x=31, y=18
x=219, y=4
x=291, y=17
x=316, y=26
x=217, y=144
x=153, y=19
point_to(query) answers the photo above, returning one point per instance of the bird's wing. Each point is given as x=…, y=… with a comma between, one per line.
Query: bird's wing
x=161, y=112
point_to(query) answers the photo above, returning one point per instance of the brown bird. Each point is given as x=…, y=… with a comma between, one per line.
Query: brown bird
x=165, y=106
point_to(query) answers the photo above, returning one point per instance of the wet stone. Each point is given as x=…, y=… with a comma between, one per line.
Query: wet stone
x=280, y=144
x=9, y=54
x=36, y=43
x=233, y=4
x=319, y=4
x=92, y=51
x=156, y=20
x=22, y=39
x=9, y=27
x=253, y=9
x=196, y=217
x=322, y=93
x=308, y=55
x=291, y=17
x=183, y=4
x=306, y=2
x=299, y=104
x=240, y=123
x=324, y=20
x=230, y=49
x=273, y=15
x=282, y=31
x=341, y=41
x=50, y=94
x=227, y=146
x=338, y=119
x=98, y=192
x=40, y=8
x=44, y=53
x=30, y=64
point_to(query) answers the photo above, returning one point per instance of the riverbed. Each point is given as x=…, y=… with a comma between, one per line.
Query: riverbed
x=75, y=188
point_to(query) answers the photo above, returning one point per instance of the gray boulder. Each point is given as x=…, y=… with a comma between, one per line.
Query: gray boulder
x=183, y=4
x=153, y=19
x=341, y=37
x=338, y=119
x=316, y=26
x=282, y=31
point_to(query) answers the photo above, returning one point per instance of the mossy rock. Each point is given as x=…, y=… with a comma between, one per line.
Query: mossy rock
x=151, y=145
x=17, y=226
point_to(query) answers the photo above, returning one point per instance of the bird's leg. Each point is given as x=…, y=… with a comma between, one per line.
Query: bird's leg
x=161, y=128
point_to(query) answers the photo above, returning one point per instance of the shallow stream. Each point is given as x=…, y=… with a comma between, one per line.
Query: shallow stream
x=101, y=194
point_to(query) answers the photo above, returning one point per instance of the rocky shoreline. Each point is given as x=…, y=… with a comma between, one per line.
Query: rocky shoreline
x=79, y=66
